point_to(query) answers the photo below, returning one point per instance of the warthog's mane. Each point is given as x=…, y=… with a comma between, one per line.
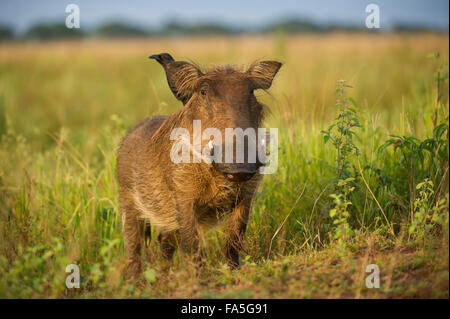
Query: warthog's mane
x=226, y=69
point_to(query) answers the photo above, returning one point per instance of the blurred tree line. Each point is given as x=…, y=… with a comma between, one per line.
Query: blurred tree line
x=48, y=31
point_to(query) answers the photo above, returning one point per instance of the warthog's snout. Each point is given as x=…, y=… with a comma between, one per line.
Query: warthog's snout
x=237, y=172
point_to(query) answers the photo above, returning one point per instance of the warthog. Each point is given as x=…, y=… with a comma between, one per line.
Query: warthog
x=183, y=199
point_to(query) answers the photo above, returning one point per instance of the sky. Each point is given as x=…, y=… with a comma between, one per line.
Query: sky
x=20, y=14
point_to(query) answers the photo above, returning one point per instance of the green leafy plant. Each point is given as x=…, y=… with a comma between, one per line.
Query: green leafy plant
x=425, y=159
x=341, y=133
x=39, y=269
x=426, y=214
x=340, y=213
x=422, y=209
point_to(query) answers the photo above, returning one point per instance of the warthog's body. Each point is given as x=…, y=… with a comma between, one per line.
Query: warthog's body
x=181, y=199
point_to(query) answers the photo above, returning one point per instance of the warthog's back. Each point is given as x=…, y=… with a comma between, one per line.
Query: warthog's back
x=132, y=143
x=135, y=179
x=147, y=127
x=143, y=173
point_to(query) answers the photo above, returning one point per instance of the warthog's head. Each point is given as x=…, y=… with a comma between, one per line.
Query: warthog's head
x=223, y=99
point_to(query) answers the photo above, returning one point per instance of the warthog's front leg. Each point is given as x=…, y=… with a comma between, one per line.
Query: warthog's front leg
x=133, y=236
x=236, y=232
x=189, y=235
x=168, y=243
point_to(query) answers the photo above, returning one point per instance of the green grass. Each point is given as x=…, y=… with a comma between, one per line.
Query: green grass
x=65, y=106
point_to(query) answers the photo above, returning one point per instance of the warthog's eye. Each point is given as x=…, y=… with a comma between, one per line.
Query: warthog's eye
x=203, y=87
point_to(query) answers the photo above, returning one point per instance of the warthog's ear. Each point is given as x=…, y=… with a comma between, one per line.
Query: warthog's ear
x=262, y=73
x=182, y=77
